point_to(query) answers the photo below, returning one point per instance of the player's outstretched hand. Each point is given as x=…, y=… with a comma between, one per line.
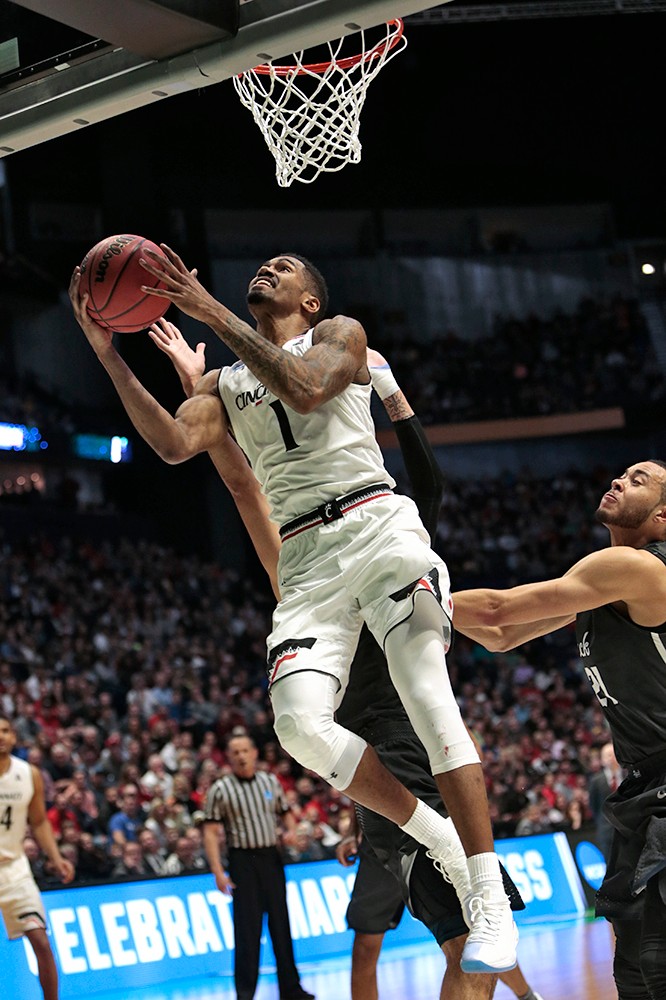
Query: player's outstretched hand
x=99, y=338
x=189, y=364
x=182, y=287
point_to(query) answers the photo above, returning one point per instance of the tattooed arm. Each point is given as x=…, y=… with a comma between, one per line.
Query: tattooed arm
x=336, y=359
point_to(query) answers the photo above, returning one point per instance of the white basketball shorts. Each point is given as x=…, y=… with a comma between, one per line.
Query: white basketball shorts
x=365, y=566
x=20, y=900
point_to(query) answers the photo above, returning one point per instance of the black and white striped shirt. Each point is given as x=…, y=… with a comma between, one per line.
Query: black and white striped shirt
x=248, y=808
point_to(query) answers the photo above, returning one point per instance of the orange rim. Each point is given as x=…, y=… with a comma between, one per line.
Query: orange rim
x=347, y=63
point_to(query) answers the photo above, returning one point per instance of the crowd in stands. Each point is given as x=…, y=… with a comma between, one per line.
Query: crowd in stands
x=599, y=356
x=523, y=528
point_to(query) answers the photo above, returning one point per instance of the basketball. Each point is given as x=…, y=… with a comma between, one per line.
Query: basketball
x=112, y=276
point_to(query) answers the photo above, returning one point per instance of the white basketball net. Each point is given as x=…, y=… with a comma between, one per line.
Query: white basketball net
x=309, y=113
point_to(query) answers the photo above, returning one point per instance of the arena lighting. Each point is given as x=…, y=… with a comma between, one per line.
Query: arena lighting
x=20, y=483
x=18, y=437
x=648, y=268
x=102, y=448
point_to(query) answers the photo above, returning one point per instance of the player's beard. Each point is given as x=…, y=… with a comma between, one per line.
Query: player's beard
x=631, y=519
x=255, y=296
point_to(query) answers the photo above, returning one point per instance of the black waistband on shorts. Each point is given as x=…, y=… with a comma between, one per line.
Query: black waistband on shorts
x=333, y=510
x=386, y=732
x=649, y=767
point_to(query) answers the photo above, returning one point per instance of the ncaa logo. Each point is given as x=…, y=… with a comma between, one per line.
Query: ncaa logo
x=591, y=863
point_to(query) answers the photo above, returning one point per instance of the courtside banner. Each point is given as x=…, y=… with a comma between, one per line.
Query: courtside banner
x=131, y=934
x=544, y=870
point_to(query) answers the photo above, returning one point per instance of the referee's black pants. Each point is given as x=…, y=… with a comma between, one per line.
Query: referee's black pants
x=260, y=888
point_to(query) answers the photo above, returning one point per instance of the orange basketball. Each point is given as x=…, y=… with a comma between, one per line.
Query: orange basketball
x=112, y=276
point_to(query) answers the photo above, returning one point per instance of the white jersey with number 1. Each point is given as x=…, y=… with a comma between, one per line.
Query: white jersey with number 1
x=303, y=460
x=16, y=792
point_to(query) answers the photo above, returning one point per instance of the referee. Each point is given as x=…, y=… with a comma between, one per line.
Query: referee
x=247, y=803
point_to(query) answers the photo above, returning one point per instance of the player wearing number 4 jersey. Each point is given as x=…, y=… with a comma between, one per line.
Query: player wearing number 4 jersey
x=22, y=803
x=298, y=404
x=618, y=598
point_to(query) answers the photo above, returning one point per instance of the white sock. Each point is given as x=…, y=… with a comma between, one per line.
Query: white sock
x=484, y=870
x=425, y=825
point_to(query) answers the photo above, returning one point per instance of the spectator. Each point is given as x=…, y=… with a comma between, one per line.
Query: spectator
x=185, y=858
x=36, y=756
x=89, y=747
x=200, y=712
x=156, y=780
x=195, y=834
x=35, y=858
x=131, y=864
x=607, y=779
x=209, y=750
x=208, y=772
x=154, y=856
x=157, y=821
x=534, y=820
x=27, y=726
x=181, y=795
x=303, y=845
x=112, y=758
x=81, y=796
x=59, y=765
x=321, y=831
x=124, y=825
x=109, y=805
x=574, y=815
x=94, y=862
x=59, y=813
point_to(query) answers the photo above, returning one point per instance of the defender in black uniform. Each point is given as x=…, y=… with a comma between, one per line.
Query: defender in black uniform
x=618, y=598
x=394, y=869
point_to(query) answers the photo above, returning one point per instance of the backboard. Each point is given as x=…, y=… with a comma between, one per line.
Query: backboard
x=91, y=78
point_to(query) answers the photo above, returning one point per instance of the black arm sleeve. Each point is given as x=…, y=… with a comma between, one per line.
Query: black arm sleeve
x=424, y=473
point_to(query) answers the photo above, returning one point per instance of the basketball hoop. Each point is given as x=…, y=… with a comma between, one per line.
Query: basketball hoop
x=309, y=113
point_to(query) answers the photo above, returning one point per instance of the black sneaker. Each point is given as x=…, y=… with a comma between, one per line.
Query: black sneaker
x=300, y=994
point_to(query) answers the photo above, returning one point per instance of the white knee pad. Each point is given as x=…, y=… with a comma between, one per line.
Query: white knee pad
x=304, y=725
x=416, y=657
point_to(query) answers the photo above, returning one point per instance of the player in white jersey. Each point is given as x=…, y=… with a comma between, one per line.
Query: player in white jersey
x=298, y=403
x=330, y=451
x=22, y=804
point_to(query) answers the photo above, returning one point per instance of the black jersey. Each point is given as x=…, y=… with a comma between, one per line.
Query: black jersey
x=626, y=666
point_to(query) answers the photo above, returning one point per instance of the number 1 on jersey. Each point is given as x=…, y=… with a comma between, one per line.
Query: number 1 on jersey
x=283, y=421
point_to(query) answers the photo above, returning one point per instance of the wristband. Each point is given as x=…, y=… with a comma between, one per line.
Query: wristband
x=383, y=380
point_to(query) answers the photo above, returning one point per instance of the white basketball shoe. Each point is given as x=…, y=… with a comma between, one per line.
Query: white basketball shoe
x=493, y=935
